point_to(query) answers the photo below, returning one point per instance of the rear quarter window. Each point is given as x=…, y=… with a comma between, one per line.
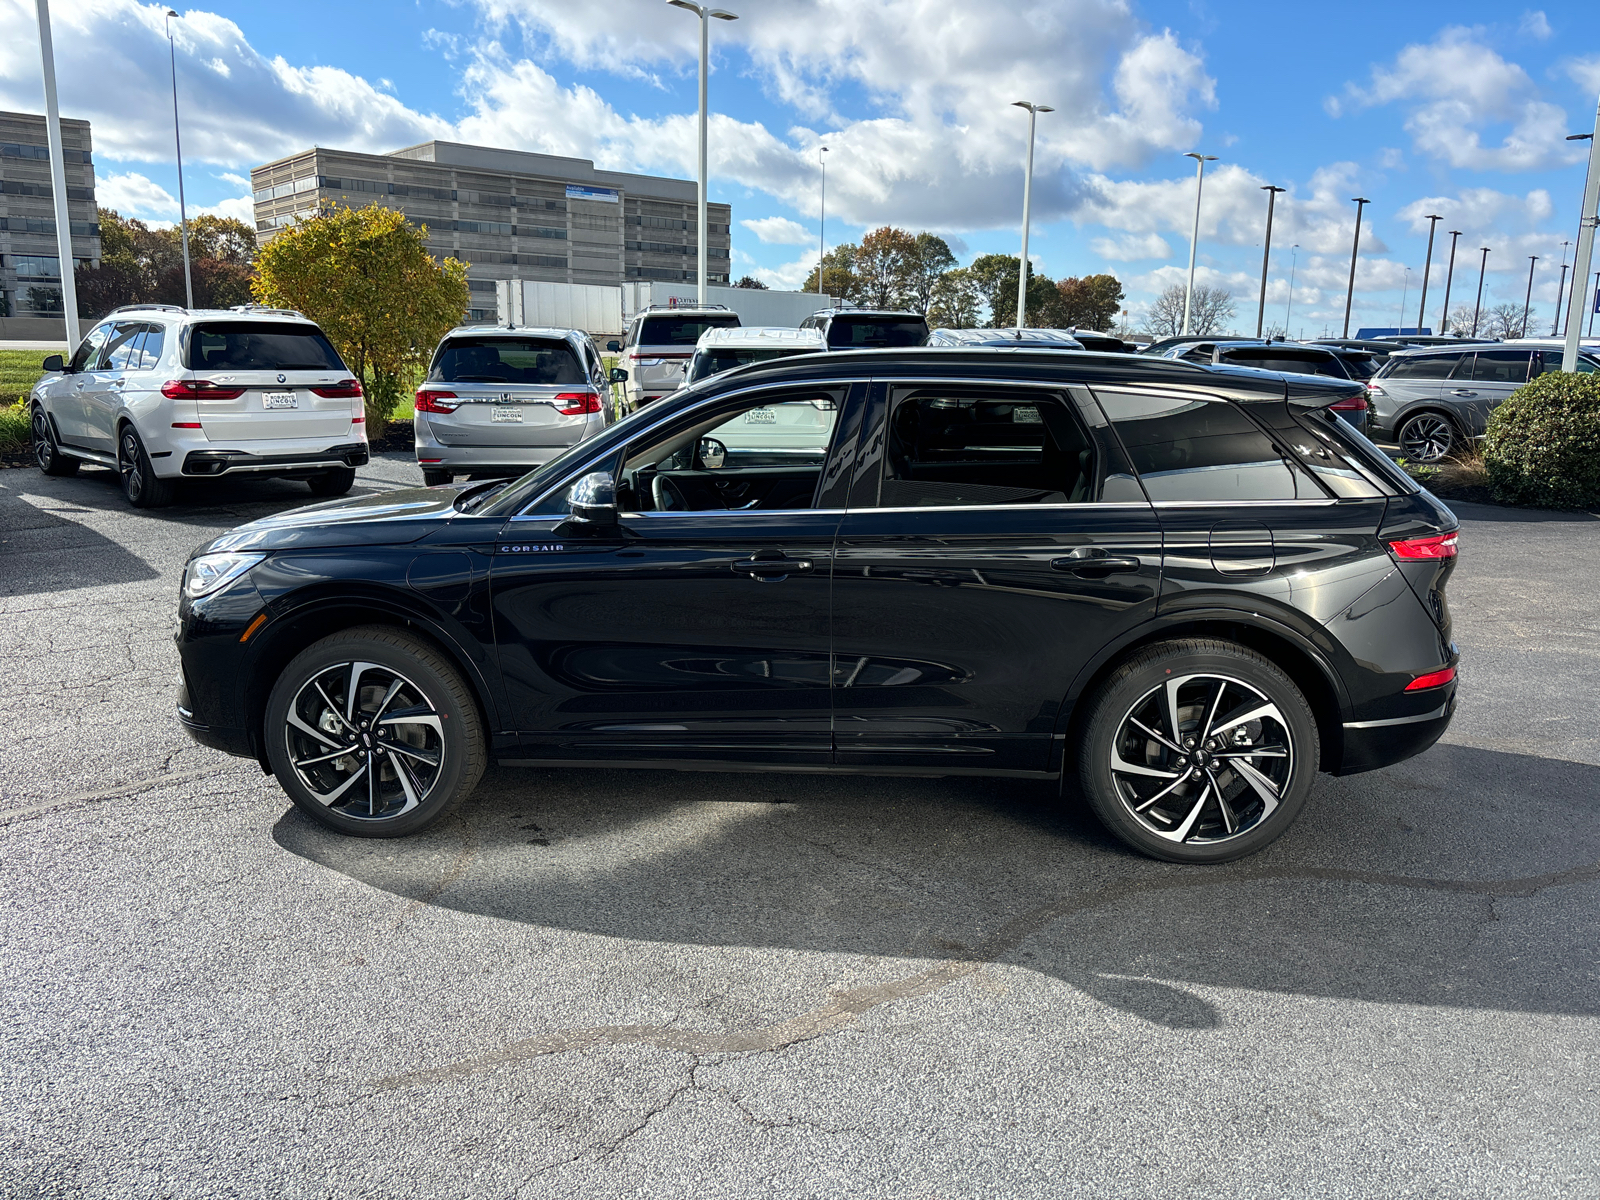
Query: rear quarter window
x=261, y=346
x=1426, y=366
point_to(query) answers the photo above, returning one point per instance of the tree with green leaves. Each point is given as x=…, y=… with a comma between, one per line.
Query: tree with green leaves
x=996, y=276
x=1091, y=302
x=839, y=275
x=365, y=276
x=957, y=301
x=926, y=263
x=883, y=265
x=750, y=281
x=141, y=265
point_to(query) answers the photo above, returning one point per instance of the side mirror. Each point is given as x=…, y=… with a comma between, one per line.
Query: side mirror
x=594, y=505
x=53, y=363
x=616, y=374
x=613, y=346
x=712, y=454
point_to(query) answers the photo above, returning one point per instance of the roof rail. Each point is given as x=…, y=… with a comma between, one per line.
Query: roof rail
x=147, y=308
x=684, y=304
x=266, y=308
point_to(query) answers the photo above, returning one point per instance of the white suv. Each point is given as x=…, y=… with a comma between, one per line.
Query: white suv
x=159, y=394
x=659, y=343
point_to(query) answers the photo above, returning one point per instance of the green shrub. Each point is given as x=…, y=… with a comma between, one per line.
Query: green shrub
x=1543, y=443
x=15, y=428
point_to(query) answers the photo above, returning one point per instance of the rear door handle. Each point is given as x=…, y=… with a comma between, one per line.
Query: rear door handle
x=1095, y=565
x=1461, y=392
x=772, y=569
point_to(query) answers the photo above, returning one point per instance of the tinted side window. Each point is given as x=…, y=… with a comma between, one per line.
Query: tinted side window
x=1427, y=366
x=121, y=353
x=89, y=348
x=860, y=333
x=1501, y=366
x=993, y=447
x=151, y=348
x=1197, y=450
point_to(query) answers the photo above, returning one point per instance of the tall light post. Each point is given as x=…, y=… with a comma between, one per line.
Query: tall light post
x=1422, y=308
x=1449, y=278
x=1527, y=300
x=177, y=142
x=58, y=178
x=1404, y=292
x=1561, y=291
x=1477, y=307
x=705, y=14
x=1200, y=161
x=1294, y=257
x=1594, y=307
x=822, y=220
x=1588, y=219
x=1027, y=212
x=1266, y=253
x=1361, y=203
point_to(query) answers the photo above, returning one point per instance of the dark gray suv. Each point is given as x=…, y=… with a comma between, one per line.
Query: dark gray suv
x=1433, y=402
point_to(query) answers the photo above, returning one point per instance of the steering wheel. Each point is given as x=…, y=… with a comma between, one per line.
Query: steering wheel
x=668, y=496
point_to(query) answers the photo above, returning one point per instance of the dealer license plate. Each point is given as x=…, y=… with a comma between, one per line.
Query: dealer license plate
x=279, y=400
x=504, y=412
x=761, y=416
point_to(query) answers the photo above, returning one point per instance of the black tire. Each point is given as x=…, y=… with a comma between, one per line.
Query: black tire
x=432, y=478
x=1199, y=805
x=430, y=714
x=45, y=450
x=336, y=482
x=139, y=482
x=1428, y=437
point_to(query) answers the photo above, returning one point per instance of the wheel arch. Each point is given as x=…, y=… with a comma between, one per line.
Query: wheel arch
x=1293, y=654
x=282, y=639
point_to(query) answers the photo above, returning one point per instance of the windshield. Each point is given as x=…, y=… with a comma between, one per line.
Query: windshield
x=261, y=346
x=683, y=331
x=506, y=360
x=861, y=333
x=711, y=361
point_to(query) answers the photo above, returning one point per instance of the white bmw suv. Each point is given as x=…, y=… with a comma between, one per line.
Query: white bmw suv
x=160, y=394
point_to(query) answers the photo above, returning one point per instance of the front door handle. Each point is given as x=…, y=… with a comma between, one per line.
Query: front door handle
x=771, y=568
x=1462, y=392
x=1093, y=564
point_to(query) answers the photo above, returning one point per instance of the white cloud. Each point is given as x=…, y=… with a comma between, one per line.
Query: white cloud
x=1585, y=72
x=134, y=195
x=1456, y=88
x=779, y=231
x=239, y=181
x=1534, y=24
x=1132, y=247
x=789, y=276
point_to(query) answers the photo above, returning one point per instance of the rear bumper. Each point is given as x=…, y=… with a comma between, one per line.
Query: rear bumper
x=208, y=464
x=433, y=454
x=1369, y=745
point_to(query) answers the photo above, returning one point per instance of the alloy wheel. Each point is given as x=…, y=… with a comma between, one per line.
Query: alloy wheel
x=1426, y=438
x=1202, y=759
x=365, y=741
x=128, y=465
x=43, y=447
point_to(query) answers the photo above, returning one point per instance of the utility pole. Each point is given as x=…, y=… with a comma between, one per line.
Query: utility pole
x=58, y=180
x=705, y=14
x=822, y=222
x=1027, y=212
x=1294, y=258
x=1527, y=300
x=177, y=142
x=1355, y=248
x=1422, y=308
x=1449, y=278
x=1477, y=305
x=1266, y=253
x=1586, y=227
x=1561, y=291
x=1200, y=161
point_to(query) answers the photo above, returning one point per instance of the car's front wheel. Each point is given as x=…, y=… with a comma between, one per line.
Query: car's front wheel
x=45, y=451
x=373, y=733
x=1198, y=751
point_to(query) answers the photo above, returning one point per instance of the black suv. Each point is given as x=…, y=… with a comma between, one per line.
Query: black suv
x=1186, y=588
x=868, y=328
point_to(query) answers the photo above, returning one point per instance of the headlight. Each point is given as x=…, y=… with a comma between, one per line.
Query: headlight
x=212, y=572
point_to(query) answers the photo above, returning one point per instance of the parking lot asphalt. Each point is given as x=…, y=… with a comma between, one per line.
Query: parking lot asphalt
x=631, y=983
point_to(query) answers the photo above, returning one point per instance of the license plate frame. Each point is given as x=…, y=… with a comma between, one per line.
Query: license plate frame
x=276, y=401
x=761, y=416
x=506, y=413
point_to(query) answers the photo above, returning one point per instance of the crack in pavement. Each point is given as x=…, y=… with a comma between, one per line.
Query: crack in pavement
x=111, y=793
x=846, y=1006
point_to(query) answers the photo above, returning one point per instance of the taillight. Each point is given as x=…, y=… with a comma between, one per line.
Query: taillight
x=345, y=389
x=1440, y=545
x=436, y=402
x=1373, y=389
x=578, y=403
x=1432, y=679
x=1354, y=404
x=198, y=389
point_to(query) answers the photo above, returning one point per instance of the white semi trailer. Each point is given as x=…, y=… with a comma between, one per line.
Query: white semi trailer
x=605, y=312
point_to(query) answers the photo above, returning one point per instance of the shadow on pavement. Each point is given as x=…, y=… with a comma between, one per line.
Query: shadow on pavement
x=1468, y=511
x=1393, y=887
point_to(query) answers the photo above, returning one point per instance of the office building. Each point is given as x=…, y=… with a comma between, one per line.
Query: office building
x=30, y=263
x=509, y=214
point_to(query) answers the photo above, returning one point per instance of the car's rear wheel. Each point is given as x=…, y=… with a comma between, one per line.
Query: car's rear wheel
x=139, y=482
x=333, y=483
x=1426, y=437
x=45, y=451
x=435, y=478
x=1198, y=751
x=373, y=733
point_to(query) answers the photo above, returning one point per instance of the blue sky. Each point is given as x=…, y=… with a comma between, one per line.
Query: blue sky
x=1461, y=114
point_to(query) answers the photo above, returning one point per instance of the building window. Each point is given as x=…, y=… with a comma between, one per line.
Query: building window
x=36, y=266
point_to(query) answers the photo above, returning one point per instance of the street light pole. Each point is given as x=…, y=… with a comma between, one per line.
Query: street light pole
x=1527, y=300
x=1427, y=265
x=1200, y=161
x=822, y=221
x=1361, y=203
x=1449, y=278
x=1294, y=258
x=705, y=14
x=1404, y=292
x=1266, y=252
x=1027, y=212
x=177, y=142
x=1561, y=291
x=1477, y=306
x=1586, y=226
x=58, y=179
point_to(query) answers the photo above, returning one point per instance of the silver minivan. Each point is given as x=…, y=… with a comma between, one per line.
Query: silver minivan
x=501, y=401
